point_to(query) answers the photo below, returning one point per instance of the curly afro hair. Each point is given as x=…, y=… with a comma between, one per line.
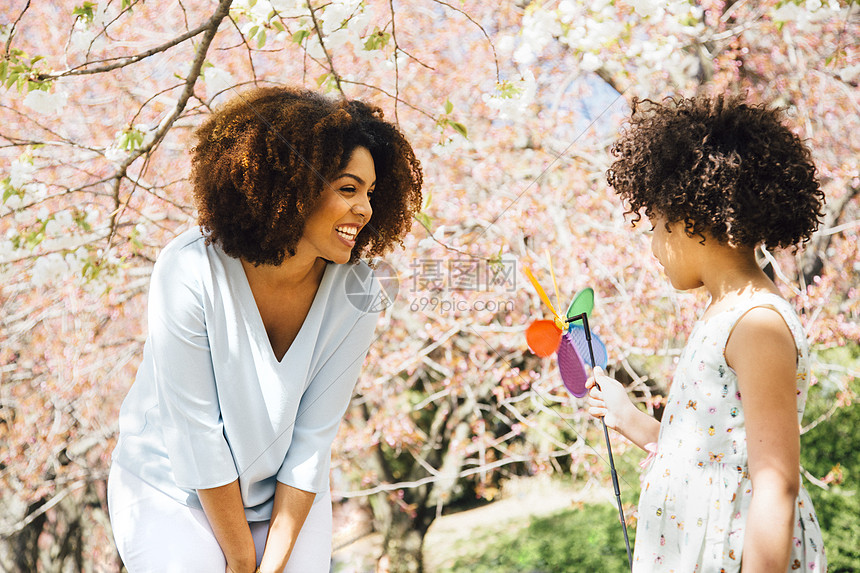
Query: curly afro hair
x=261, y=162
x=720, y=166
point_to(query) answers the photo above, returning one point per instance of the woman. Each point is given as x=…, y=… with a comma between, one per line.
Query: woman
x=254, y=347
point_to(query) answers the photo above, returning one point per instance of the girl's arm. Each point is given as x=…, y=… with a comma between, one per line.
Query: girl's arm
x=612, y=403
x=226, y=514
x=288, y=515
x=761, y=351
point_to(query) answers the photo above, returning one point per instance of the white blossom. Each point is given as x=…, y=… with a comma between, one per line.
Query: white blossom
x=850, y=74
x=590, y=62
x=360, y=23
x=52, y=228
x=336, y=13
x=314, y=48
x=115, y=154
x=14, y=201
x=46, y=103
x=513, y=98
x=7, y=250
x=648, y=8
x=260, y=12
x=538, y=30
x=86, y=35
x=217, y=81
x=21, y=172
x=339, y=38
x=290, y=8
x=49, y=268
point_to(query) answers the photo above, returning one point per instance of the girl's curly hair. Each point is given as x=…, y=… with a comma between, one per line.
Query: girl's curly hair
x=261, y=161
x=721, y=166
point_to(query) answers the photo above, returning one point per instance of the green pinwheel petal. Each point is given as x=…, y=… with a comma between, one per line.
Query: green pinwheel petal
x=583, y=302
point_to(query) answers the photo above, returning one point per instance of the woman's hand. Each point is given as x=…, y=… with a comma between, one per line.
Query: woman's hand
x=609, y=400
x=290, y=510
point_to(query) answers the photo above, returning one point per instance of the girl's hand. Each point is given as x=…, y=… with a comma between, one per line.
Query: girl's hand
x=608, y=399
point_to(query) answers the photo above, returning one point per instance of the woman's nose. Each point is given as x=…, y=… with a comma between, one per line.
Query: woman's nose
x=362, y=207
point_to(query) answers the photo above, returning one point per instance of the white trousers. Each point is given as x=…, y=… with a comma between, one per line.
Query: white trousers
x=156, y=534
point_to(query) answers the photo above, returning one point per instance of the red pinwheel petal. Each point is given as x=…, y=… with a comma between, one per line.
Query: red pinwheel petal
x=543, y=337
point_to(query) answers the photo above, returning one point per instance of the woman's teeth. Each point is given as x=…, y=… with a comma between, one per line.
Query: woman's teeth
x=348, y=233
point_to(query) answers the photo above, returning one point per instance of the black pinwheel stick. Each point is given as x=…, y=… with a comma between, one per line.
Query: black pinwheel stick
x=584, y=318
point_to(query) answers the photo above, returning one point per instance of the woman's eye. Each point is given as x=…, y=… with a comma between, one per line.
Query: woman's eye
x=347, y=189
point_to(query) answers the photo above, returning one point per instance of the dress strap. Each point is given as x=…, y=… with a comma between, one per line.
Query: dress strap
x=789, y=317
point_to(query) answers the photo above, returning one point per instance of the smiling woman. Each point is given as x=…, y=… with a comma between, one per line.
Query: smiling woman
x=252, y=353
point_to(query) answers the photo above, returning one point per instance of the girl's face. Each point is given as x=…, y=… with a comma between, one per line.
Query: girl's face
x=343, y=209
x=678, y=253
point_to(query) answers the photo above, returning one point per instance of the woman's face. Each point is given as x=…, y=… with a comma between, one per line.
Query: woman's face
x=343, y=209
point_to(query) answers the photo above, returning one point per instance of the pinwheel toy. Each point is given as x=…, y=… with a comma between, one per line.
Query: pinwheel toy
x=575, y=346
x=569, y=340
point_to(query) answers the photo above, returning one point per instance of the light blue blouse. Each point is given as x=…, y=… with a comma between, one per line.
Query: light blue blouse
x=211, y=403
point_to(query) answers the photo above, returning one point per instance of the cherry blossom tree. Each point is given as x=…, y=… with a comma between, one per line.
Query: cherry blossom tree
x=511, y=107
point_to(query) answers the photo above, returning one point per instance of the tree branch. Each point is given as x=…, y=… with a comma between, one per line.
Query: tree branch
x=124, y=61
x=325, y=50
x=483, y=31
x=210, y=30
x=12, y=29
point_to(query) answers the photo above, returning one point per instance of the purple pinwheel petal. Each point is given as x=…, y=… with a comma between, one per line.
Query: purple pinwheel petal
x=577, y=334
x=571, y=367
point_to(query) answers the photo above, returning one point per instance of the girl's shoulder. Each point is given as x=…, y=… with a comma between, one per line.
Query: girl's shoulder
x=731, y=311
x=726, y=320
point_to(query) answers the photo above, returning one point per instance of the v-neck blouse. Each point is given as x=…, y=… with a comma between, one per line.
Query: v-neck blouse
x=211, y=403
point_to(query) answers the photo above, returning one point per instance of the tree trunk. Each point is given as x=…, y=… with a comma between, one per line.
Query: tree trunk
x=403, y=544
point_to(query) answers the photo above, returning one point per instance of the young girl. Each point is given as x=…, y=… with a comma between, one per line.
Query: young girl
x=717, y=177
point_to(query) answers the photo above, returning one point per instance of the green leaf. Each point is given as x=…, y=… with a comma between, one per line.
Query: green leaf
x=81, y=221
x=424, y=219
x=278, y=26
x=261, y=39
x=428, y=198
x=8, y=192
x=299, y=37
x=253, y=31
x=449, y=107
x=459, y=128
x=4, y=68
x=85, y=11
x=378, y=39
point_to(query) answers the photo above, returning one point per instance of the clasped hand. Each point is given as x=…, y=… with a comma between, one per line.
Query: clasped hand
x=607, y=399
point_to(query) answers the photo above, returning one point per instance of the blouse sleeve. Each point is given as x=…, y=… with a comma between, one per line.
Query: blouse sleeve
x=199, y=454
x=323, y=404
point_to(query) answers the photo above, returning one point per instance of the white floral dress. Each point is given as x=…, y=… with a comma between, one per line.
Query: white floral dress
x=697, y=491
